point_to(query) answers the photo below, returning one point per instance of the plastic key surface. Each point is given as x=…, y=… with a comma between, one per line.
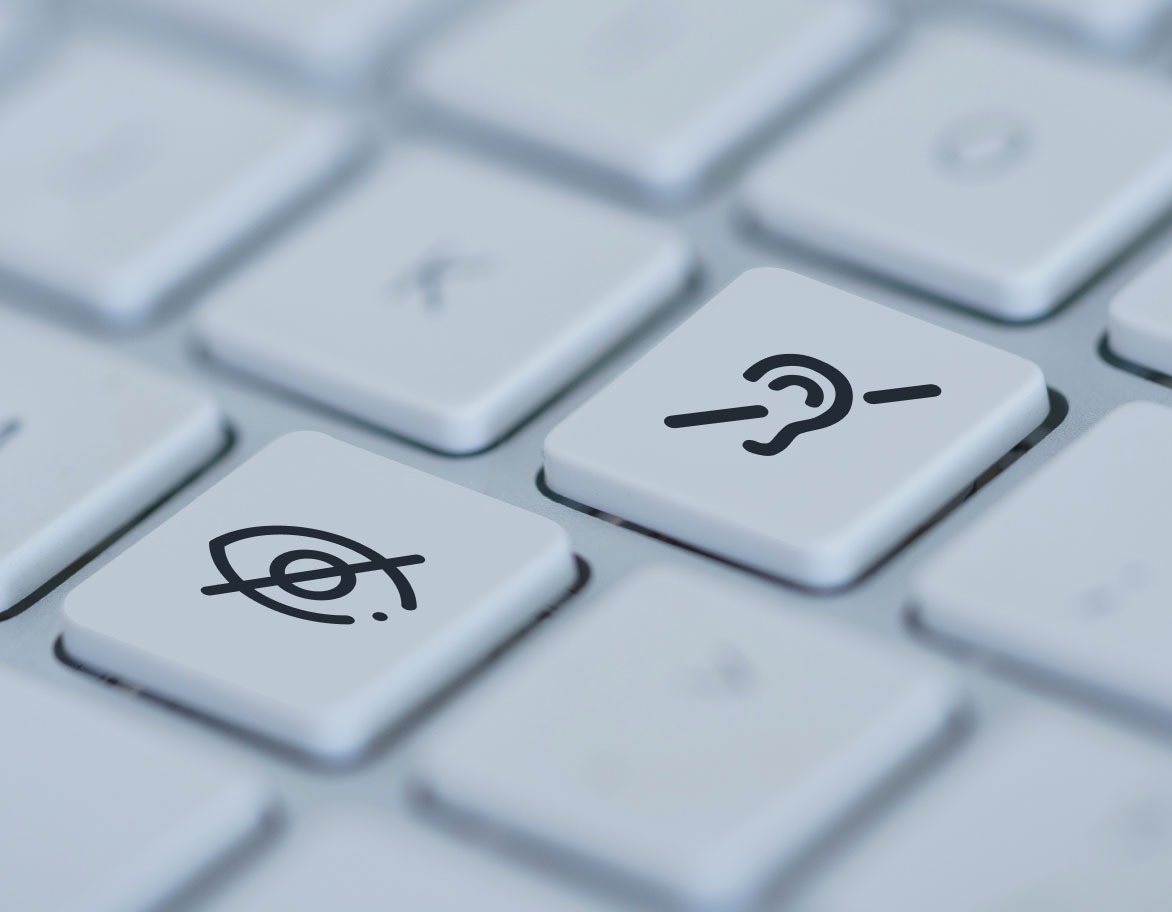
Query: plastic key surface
x=88, y=441
x=103, y=814
x=980, y=167
x=318, y=594
x=125, y=170
x=685, y=735
x=796, y=428
x=357, y=861
x=1069, y=574
x=655, y=92
x=444, y=299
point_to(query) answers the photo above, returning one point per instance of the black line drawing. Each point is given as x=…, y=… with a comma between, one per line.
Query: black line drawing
x=841, y=401
x=333, y=567
x=902, y=394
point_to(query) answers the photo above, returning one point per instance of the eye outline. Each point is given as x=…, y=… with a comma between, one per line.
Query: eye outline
x=235, y=582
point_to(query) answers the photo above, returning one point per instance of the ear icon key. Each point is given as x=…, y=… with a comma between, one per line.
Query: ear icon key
x=840, y=404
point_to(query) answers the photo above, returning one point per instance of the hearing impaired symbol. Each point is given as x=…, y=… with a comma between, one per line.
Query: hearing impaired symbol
x=841, y=402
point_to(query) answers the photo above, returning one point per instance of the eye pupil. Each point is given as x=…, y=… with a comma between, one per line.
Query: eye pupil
x=333, y=569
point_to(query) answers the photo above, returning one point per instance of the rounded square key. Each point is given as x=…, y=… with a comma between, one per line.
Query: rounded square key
x=125, y=169
x=655, y=92
x=992, y=172
x=318, y=594
x=433, y=300
x=1119, y=25
x=690, y=736
x=88, y=441
x=356, y=860
x=1140, y=317
x=106, y=814
x=1070, y=573
x=1045, y=812
x=337, y=44
x=796, y=428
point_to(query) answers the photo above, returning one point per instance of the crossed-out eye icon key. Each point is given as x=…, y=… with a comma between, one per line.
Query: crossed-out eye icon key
x=318, y=594
x=337, y=572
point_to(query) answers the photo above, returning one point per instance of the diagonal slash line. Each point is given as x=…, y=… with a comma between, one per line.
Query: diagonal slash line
x=716, y=416
x=319, y=573
x=902, y=394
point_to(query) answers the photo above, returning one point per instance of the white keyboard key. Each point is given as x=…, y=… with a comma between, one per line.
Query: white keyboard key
x=1070, y=573
x=1046, y=814
x=352, y=861
x=124, y=170
x=1140, y=324
x=688, y=735
x=434, y=300
x=318, y=594
x=87, y=442
x=823, y=470
x=1115, y=24
x=655, y=91
x=339, y=43
x=104, y=815
x=965, y=167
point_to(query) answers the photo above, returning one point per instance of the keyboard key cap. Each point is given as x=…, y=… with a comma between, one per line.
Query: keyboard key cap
x=965, y=168
x=318, y=594
x=1045, y=814
x=654, y=91
x=102, y=814
x=1140, y=324
x=124, y=170
x=1116, y=24
x=337, y=43
x=1070, y=573
x=353, y=861
x=386, y=305
x=87, y=442
x=687, y=735
x=880, y=421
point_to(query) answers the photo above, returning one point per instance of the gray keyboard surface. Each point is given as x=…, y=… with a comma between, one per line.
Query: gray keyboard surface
x=1085, y=381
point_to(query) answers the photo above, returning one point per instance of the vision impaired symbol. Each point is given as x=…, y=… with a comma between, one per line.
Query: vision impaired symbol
x=841, y=402
x=339, y=572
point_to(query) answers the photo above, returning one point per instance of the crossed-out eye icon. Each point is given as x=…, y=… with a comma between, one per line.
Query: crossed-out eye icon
x=340, y=571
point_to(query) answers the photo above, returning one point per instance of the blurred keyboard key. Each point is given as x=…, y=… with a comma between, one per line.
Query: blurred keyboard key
x=684, y=734
x=1112, y=24
x=1140, y=318
x=986, y=170
x=353, y=861
x=1070, y=573
x=104, y=815
x=87, y=441
x=318, y=594
x=335, y=43
x=124, y=170
x=796, y=428
x=438, y=300
x=23, y=28
x=653, y=91
x=1046, y=813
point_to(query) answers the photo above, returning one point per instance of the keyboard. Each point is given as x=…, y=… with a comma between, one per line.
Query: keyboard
x=585, y=456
